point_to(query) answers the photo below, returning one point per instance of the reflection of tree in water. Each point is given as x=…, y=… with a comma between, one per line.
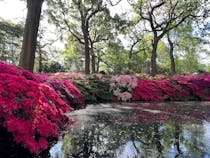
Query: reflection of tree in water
x=156, y=139
x=88, y=141
x=186, y=139
x=177, y=134
x=194, y=140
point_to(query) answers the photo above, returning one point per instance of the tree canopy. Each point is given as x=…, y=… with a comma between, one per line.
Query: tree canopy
x=146, y=36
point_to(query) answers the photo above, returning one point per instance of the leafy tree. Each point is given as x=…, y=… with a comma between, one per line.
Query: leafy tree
x=171, y=54
x=73, y=55
x=53, y=67
x=135, y=36
x=101, y=31
x=162, y=16
x=87, y=21
x=183, y=40
x=163, y=58
x=139, y=53
x=114, y=58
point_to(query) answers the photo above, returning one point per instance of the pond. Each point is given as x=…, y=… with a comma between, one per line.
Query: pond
x=138, y=130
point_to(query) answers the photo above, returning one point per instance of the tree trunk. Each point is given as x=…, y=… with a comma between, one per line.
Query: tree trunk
x=27, y=55
x=157, y=138
x=98, y=62
x=153, y=57
x=177, y=135
x=40, y=61
x=93, y=61
x=87, y=48
x=171, y=54
x=130, y=58
x=87, y=57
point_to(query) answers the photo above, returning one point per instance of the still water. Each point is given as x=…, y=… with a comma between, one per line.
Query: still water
x=138, y=130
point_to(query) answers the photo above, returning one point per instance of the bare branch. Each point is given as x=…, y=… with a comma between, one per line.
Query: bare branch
x=114, y=4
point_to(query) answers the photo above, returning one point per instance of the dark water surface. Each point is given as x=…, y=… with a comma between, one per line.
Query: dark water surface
x=138, y=130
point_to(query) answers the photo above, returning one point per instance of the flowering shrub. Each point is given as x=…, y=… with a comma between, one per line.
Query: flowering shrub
x=179, y=87
x=32, y=111
x=67, y=75
x=64, y=87
x=195, y=86
x=122, y=86
x=156, y=90
x=67, y=91
x=95, y=88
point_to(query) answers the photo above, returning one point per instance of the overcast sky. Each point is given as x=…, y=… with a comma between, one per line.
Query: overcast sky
x=14, y=10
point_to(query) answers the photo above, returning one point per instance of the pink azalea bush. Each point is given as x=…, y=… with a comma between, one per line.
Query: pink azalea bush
x=122, y=86
x=29, y=109
x=67, y=75
x=179, y=87
x=156, y=90
x=67, y=91
x=138, y=88
x=196, y=86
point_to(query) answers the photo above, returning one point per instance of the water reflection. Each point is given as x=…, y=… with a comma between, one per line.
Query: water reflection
x=157, y=130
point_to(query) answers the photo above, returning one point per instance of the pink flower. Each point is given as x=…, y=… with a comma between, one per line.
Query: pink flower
x=122, y=86
x=29, y=109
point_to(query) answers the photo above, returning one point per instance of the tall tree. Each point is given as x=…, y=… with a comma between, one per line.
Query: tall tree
x=161, y=16
x=184, y=40
x=84, y=20
x=101, y=31
x=30, y=34
x=171, y=54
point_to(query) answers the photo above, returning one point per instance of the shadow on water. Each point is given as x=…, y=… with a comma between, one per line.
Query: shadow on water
x=138, y=130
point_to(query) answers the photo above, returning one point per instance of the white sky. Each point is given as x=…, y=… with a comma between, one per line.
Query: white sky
x=14, y=10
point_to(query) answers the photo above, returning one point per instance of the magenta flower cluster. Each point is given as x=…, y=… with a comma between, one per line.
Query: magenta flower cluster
x=179, y=87
x=32, y=110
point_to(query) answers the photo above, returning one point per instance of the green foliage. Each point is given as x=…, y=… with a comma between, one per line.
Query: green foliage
x=95, y=88
x=114, y=58
x=73, y=55
x=187, y=47
x=53, y=67
x=10, y=41
x=88, y=22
